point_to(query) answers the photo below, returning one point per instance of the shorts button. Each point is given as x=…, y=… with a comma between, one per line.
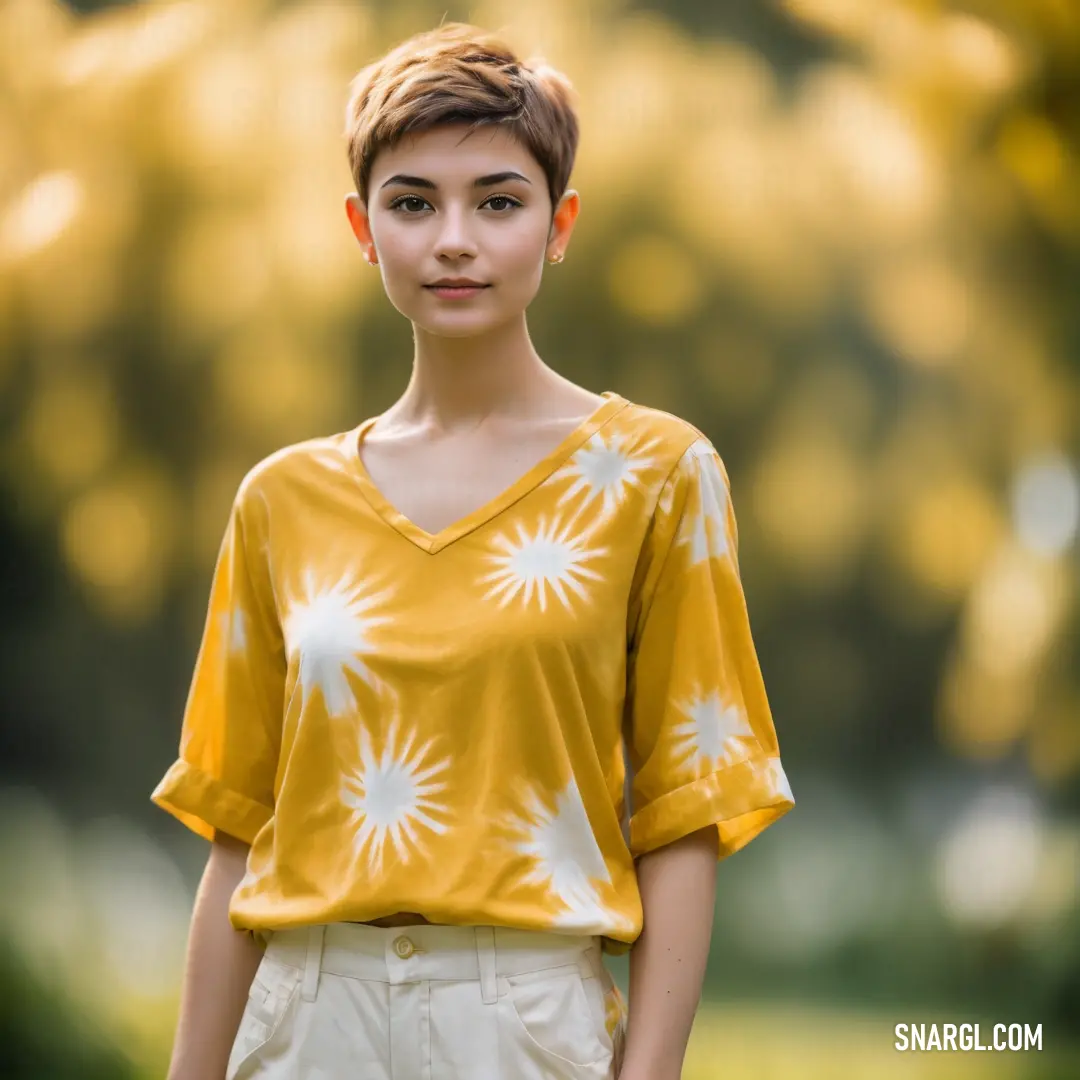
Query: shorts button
x=404, y=947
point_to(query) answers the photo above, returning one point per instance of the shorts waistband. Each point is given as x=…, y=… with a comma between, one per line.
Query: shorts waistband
x=404, y=954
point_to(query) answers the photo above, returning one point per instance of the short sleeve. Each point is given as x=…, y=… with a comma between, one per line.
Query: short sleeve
x=230, y=738
x=700, y=738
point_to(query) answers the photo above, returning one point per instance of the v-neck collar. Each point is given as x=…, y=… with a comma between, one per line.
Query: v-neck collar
x=435, y=542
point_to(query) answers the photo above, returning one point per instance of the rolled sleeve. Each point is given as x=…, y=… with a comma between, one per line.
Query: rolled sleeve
x=205, y=805
x=741, y=801
x=224, y=778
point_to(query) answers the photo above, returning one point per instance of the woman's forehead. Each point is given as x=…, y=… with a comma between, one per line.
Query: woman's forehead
x=454, y=156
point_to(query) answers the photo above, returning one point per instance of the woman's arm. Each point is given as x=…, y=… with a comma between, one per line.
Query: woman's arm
x=221, y=963
x=667, y=963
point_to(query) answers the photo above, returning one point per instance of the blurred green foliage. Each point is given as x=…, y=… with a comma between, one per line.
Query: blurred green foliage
x=43, y=1036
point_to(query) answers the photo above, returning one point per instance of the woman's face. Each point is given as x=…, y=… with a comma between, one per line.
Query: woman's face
x=443, y=204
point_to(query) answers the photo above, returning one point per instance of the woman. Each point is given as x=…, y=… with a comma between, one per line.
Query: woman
x=432, y=638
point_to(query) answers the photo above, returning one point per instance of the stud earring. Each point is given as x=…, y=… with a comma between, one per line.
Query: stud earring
x=557, y=259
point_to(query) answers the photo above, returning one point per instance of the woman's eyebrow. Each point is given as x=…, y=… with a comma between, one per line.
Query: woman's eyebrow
x=479, y=182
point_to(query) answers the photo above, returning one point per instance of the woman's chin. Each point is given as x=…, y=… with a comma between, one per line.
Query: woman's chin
x=459, y=324
x=453, y=328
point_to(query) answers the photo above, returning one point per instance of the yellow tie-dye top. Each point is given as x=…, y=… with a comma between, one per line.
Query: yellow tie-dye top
x=488, y=724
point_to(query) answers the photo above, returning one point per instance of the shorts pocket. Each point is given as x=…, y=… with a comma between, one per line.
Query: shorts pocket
x=269, y=997
x=553, y=1014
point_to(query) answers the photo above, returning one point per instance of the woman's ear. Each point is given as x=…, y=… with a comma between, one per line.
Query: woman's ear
x=361, y=226
x=562, y=223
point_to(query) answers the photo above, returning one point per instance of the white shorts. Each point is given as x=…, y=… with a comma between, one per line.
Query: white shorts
x=426, y=1002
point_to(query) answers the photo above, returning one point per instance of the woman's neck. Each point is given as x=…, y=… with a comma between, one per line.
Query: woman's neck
x=458, y=383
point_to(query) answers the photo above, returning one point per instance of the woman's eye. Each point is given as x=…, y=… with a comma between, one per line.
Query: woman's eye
x=511, y=203
x=409, y=199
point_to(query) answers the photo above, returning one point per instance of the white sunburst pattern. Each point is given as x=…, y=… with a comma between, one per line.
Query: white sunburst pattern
x=553, y=556
x=605, y=470
x=704, y=527
x=330, y=628
x=713, y=734
x=391, y=796
x=568, y=861
x=234, y=629
x=772, y=774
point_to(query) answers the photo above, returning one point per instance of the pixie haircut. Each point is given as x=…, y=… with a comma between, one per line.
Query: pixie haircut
x=461, y=73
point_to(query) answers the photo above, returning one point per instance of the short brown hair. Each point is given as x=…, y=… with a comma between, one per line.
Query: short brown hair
x=461, y=73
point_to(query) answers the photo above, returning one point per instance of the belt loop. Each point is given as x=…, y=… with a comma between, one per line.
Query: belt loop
x=314, y=961
x=485, y=953
x=593, y=961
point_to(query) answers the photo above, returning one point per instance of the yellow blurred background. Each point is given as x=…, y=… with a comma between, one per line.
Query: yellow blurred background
x=842, y=237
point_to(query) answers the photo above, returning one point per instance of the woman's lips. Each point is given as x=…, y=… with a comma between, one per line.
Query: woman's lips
x=455, y=292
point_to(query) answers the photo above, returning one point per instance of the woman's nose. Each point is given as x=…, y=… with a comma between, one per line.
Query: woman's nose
x=455, y=237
